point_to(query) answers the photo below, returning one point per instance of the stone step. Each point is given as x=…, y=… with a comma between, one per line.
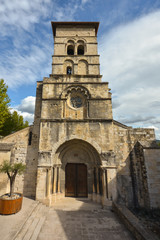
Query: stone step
x=27, y=224
x=33, y=208
x=33, y=224
x=38, y=228
x=31, y=229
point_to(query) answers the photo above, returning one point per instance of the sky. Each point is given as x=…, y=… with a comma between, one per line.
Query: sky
x=128, y=44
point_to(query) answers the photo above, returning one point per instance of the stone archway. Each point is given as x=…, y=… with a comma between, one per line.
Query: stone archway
x=77, y=154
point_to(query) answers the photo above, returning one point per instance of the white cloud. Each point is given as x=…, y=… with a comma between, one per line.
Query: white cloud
x=67, y=11
x=22, y=14
x=85, y=1
x=26, y=116
x=18, y=69
x=156, y=128
x=26, y=108
x=27, y=57
x=130, y=57
x=27, y=105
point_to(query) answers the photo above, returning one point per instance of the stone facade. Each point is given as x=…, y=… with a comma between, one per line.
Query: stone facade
x=74, y=127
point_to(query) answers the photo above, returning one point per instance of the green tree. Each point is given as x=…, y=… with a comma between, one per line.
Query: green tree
x=12, y=170
x=17, y=122
x=4, y=103
x=13, y=123
x=9, y=122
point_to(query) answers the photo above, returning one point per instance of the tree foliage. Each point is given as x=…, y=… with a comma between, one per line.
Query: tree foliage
x=9, y=122
x=4, y=103
x=12, y=170
x=13, y=123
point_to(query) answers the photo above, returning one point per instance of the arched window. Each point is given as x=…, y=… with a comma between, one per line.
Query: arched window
x=70, y=50
x=69, y=70
x=80, y=50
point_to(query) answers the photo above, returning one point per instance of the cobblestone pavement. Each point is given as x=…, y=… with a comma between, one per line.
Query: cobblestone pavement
x=78, y=219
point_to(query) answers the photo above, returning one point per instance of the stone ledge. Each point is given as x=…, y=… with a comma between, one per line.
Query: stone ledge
x=75, y=120
x=60, y=99
x=121, y=125
x=132, y=223
x=6, y=146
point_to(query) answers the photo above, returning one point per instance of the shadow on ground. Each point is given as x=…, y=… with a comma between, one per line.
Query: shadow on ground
x=81, y=219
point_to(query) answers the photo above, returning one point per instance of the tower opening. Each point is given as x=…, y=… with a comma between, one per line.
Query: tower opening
x=69, y=70
x=80, y=50
x=70, y=50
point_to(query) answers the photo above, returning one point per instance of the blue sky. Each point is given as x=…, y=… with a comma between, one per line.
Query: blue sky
x=128, y=43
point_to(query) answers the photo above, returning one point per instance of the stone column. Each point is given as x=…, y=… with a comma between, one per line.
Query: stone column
x=103, y=187
x=93, y=188
x=55, y=179
x=97, y=180
x=106, y=176
x=58, y=176
x=109, y=181
x=52, y=180
x=75, y=49
x=98, y=197
x=48, y=182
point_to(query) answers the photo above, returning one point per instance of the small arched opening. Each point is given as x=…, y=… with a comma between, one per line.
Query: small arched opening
x=70, y=50
x=80, y=50
x=69, y=70
x=68, y=67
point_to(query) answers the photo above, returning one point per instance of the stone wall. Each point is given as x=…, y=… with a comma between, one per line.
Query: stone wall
x=125, y=141
x=152, y=163
x=53, y=131
x=25, y=153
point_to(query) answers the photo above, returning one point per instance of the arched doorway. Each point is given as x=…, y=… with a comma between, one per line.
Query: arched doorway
x=76, y=180
x=77, y=160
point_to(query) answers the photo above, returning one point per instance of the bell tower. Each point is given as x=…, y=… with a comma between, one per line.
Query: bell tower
x=75, y=49
x=75, y=87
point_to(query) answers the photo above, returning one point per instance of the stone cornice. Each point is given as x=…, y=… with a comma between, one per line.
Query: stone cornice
x=77, y=120
x=94, y=99
x=76, y=75
x=120, y=124
x=80, y=56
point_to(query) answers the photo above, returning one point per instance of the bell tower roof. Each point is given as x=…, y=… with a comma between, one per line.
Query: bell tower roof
x=74, y=24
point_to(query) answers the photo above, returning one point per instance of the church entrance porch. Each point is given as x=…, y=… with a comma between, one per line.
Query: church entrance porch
x=77, y=160
x=75, y=170
x=76, y=180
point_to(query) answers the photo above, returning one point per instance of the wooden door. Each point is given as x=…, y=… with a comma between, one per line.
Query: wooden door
x=81, y=180
x=70, y=180
x=76, y=180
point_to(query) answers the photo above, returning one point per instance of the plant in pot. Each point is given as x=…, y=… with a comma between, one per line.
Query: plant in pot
x=11, y=202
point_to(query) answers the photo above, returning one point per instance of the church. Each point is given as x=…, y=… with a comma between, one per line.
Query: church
x=75, y=148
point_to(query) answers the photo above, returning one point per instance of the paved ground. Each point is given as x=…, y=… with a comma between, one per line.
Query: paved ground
x=79, y=219
x=10, y=224
x=68, y=219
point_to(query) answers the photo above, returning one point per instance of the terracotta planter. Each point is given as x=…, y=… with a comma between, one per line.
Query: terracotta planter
x=10, y=206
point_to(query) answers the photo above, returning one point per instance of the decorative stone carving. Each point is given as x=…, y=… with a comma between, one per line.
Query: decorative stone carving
x=108, y=158
x=44, y=159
